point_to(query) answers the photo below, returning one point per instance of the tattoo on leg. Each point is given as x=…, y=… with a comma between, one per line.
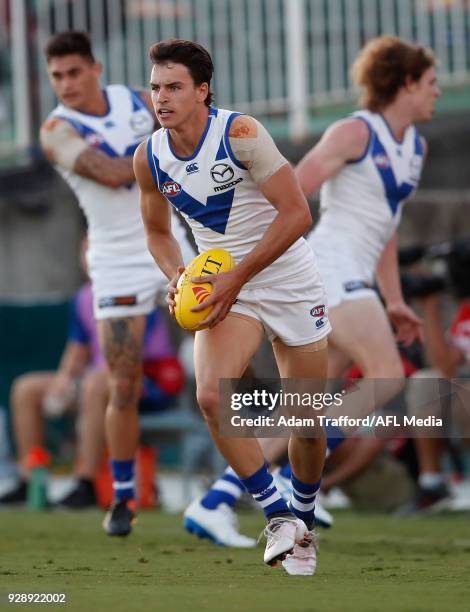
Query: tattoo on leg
x=119, y=330
x=123, y=352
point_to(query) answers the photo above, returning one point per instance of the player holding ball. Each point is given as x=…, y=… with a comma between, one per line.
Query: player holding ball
x=224, y=174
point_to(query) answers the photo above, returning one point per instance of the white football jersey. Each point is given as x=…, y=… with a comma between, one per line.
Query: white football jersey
x=219, y=199
x=115, y=227
x=361, y=206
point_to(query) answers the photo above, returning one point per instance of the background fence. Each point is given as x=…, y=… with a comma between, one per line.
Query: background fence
x=282, y=58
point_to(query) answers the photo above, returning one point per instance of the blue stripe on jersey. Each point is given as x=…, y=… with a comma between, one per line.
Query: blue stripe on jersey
x=152, y=162
x=366, y=150
x=227, y=142
x=137, y=102
x=131, y=149
x=85, y=131
x=200, y=143
x=394, y=193
x=419, y=149
x=221, y=153
x=213, y=215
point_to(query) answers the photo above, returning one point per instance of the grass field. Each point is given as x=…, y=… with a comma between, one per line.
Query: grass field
x=366, y=563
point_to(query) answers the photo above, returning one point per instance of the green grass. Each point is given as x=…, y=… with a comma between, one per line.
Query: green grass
x=366, y=563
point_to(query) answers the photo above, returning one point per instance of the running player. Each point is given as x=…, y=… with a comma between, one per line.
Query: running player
x=91, y=137
x=367, y=165
x=225, y=175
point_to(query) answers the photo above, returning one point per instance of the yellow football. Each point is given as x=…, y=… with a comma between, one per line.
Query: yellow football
x=190, y=295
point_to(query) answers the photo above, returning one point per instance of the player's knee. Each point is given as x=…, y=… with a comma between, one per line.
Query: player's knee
x=386, y=370
x=208, y=400
x=95, y=382
x=24, y=386
x=94, y=385
x=311, y=443
x=123, y=391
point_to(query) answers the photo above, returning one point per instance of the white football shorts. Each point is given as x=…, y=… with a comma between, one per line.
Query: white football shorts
x=296, y=311
x=345, y=277
x=127, y=290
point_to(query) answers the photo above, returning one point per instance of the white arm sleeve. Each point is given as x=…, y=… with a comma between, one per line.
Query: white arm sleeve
x=62, y=143
x=259, y=153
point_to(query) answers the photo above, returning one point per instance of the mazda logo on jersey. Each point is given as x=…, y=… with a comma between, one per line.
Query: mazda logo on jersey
x=170, y=189
x=222, y=173
x=141, y=123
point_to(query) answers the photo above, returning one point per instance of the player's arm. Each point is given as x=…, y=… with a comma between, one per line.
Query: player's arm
x=409, y=327
x=63, y=145
x=255, y=149
x=443, y=355
x=346, y=140
x=292, y=221
x=388, y=276
x=425, y=148
x=75, y=358
x=157, y=217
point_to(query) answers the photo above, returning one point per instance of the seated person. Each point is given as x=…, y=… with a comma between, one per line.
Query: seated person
x=81, y=382
x=448, y=354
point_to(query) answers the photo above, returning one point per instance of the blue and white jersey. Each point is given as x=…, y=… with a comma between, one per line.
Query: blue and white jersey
x=220, y=201
x=361, y=206
x=116, y=231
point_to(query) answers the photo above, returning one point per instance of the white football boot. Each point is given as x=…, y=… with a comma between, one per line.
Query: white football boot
x=322, y=517
x=219, y=525
x=282, y=533
x=303, y=560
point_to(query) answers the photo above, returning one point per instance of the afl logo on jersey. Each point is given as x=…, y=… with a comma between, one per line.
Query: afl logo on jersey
x=94, y=140
x=318, y=311
x=222, y=173
x=382, y=161
x=170, y=189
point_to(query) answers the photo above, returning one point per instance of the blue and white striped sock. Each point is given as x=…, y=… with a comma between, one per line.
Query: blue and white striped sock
x=334, y=436
x=262, y=488
x=226, y=490
x=302, y=502
x=123, y=479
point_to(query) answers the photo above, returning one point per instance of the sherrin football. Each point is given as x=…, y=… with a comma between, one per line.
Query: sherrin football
x=190, y=295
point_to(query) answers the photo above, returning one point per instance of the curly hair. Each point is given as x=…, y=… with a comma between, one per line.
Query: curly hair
x=384, y=66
